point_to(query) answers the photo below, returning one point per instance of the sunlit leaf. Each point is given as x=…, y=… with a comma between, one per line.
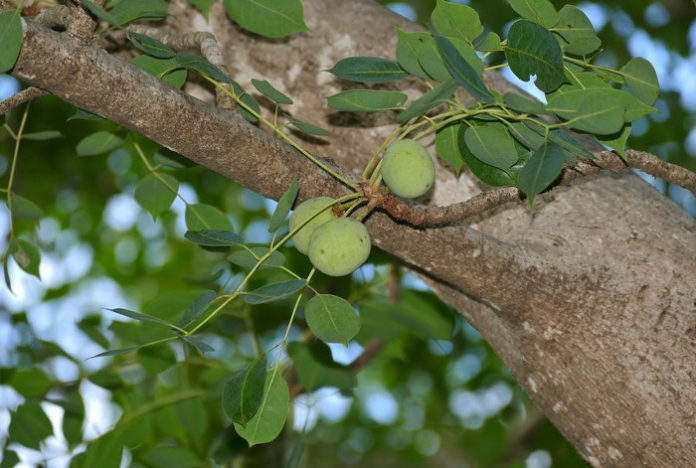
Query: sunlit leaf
x=30, y=383
x=213, y=238
x=617, y=142
x=270, y=18
x=641, y=79
x=368, y=70
x=270, y=418
x=166, y=69
x=99, y=12
x=26, y=255
x=577, y=31
x=150, y=45
x=284, y=206
x=203, y=5
x=492, y=144
x=274, y=291
x=448, y=146
x=140, y=316
x=462, y=71
x=532, y=50
x=456, y=20
x=156, y=193
x=25, y=209
x=433, y=98
x=243, y=393
x=522, y=104
x=331, y=318
x=540, y=11
x=490, y=42
x=126, y=11
x=98, y=143
x=206, y=217
x=407, y=51
x=366, y=100
x=541, y=170
x=268, y=90
x=29, y=425
x=308, y=128
x=10, y=38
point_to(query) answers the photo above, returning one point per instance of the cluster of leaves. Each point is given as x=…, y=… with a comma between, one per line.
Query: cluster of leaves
x=506, y=140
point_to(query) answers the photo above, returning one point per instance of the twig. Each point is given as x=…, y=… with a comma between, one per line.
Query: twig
x=82, y=25
x=205, y=43
x=20, y=98
x=420, y=215
x=651, y=164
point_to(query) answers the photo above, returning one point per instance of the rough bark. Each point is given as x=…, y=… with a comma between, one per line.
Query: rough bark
x=590, y=300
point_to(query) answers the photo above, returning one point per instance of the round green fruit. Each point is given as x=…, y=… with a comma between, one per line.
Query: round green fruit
x=408, y=169
x=338, y=247
x=305, y=211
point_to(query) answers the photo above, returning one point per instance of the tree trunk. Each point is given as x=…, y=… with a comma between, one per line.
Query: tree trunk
x=590, y=299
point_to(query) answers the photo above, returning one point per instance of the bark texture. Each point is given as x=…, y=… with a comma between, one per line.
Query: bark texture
x=590, y=300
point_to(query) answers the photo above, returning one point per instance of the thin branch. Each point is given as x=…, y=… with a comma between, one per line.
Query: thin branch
x=651, y=164
x=82, y=24
x=58, y=16
x=20, y=98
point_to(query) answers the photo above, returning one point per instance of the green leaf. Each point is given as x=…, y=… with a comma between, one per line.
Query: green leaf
x=284, y=206
x=366, y=100
x=90, y=327
x=617, y=142
x=199, y=345
x=541, y=170
x=116, y=352
x=270, y=418
x=540, y=11
x=206, y=217
x=522, y=104
x=99, y=12
x=166, y=457
x=368, y=70
x=489, y=43
x=274, y=291
x=455, y=20
x=462, y=71
x=243, y=393
x=42, y=136
x=577, y=31
x=6, y=273
x=166, y=69
x=599, y=115
x=25, y=209
x=267, y=89
x=448, y=146
x=26, y=255
x=641, y=79
x=492, y=144
x=73, y=418
x=104, y=452
x=199, y=64
x=248, y=257
x=316, y=368
x=98, y=143
x=81, y=114
x=126, y=11
x=213, y=238
x=9, y=459
x=29, y=425
x=532, y=50
x=407, y=51
x=194, y=311
x=331, y=318
x=270, y=18
x=431, y=61
x=308, y=128
x=140, y=317
x=156, y=193
x=150, y=46
x=249, y=101
x=203, y=5
x=433, y=98
x=30, y=383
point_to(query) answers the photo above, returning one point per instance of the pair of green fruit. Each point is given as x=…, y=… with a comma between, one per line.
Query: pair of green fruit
x=338, y=246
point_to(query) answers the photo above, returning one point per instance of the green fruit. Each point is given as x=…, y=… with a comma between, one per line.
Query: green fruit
x=306, y=211
x=339, y=246
x=408, y=169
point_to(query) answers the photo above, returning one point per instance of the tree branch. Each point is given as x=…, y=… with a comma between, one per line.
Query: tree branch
x=20, y=98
